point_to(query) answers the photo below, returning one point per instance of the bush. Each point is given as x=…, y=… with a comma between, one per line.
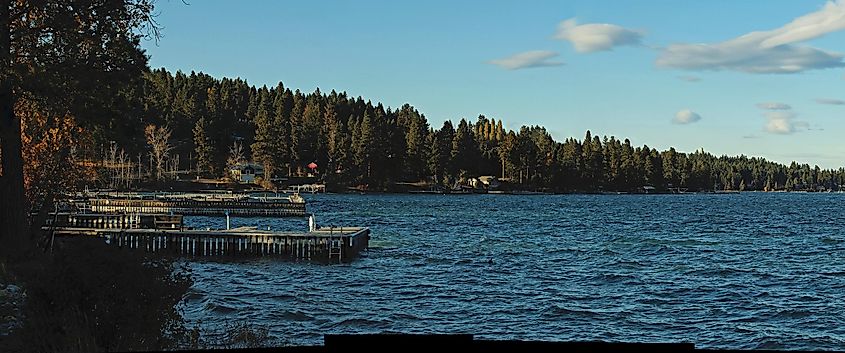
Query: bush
x=89, y=296
x=233, y=335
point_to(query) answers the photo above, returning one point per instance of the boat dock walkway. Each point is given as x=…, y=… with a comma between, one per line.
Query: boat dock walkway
x=210, y=207
x=333, y=244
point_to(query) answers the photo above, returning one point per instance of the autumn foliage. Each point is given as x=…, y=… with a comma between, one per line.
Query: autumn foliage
x=51, y=146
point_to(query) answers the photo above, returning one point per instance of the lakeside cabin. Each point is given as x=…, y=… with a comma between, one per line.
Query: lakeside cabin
x=489, y=182
x=246, y=173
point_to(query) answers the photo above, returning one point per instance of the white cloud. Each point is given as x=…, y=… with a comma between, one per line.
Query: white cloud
x=774, y=51
x=830, y=101
x=593, y=37
x=830, y=18
x=773, y=106
x=534, y=58
x=686, y=116
x=780, y=123
x=783, y=123
x=689, y=78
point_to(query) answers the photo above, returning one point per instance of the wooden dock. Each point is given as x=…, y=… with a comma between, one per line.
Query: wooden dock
x=334, y=244
x=210, y=207
x=115, y=220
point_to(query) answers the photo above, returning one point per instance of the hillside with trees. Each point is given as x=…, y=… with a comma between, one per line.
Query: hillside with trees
x=216, y=122
x=80, y=106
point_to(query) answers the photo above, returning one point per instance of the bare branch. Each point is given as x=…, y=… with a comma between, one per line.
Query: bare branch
x=158, y=138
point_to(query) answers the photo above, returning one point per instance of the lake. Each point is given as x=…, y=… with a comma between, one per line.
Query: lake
x=746, y=271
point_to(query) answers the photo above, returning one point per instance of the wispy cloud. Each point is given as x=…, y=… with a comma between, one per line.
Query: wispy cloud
x=774, y=51
x=686, y=116
x=773, y=106
x=534, y=58
x=593, y=37
x=689, y=78
x=830, y=101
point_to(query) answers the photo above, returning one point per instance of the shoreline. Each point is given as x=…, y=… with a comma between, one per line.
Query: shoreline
x=353, y=191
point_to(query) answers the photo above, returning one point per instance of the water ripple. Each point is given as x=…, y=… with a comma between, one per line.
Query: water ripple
x=748, y=271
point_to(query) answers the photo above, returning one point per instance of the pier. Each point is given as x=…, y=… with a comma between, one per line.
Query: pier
x=206, y=207
x=154, y=222
x=122, y=221
x=333, y=244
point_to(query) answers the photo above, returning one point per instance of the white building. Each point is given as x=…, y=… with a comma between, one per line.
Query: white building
x=245, y=173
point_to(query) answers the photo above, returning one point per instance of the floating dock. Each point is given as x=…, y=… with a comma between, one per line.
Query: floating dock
x=122, y=221
x=204, y=207
x=334, y=244
x=154, y=222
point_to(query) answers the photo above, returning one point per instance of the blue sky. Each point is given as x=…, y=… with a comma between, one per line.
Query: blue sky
x=761, y=78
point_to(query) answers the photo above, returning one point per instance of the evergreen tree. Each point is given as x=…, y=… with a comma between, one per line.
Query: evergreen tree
x=506, y=153
x=464, y=152
x=439, y=161
x=262, y=148
x=363, y=147
x=415, y=141
x=338, y=146
x=279, y=149
x=526, y=155
x=204, y=149
x=297, y=133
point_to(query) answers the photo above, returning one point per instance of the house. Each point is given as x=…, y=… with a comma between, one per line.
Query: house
x=245, y=173
x=490, y=182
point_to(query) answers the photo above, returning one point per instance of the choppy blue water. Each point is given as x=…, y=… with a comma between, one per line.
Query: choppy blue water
x=748, y=271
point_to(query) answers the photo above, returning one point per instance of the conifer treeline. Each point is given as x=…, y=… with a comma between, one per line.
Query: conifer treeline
x=358, y=142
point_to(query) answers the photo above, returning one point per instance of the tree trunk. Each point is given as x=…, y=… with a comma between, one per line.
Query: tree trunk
x=12, y=207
